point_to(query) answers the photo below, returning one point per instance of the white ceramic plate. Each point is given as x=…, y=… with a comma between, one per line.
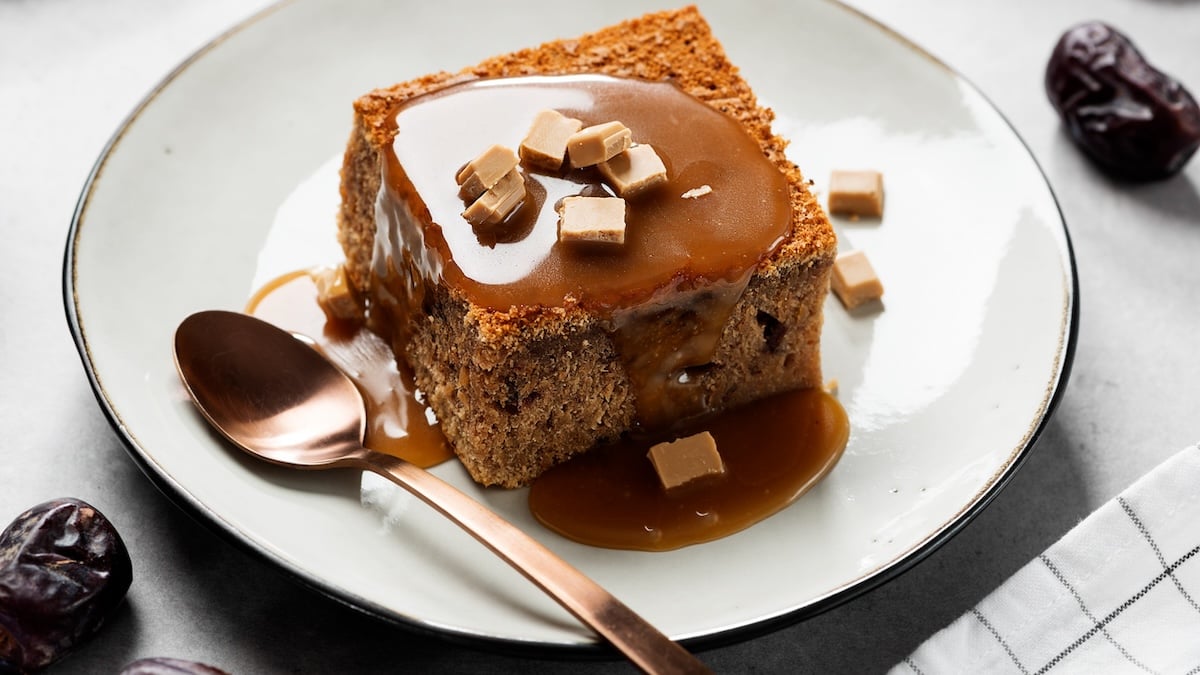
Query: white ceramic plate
x=947, y=384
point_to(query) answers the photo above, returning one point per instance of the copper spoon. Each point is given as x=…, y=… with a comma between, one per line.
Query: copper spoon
x=280, y=400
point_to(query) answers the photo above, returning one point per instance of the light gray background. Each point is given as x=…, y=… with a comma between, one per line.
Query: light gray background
x=70, y=70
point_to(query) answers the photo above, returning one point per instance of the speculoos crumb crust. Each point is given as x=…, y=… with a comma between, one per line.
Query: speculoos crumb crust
x=519, y=390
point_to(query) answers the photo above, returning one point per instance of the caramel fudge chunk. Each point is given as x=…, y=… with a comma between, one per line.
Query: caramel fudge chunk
x=545, y=145
x=637, y=169
x=598, y=143
x=856, y=193
x=485, y=171
x=687, y=461
x=599, y=220
x=854, y=280
x=334, y=294
x=498, y=201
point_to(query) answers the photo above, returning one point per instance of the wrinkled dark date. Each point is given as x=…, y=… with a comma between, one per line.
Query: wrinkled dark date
x=1134, y=121
x=63, y=568
x=158, y=666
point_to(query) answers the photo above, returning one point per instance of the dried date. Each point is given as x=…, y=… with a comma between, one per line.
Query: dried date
x=1136, y=122
x=161, y=666
x=63, y=569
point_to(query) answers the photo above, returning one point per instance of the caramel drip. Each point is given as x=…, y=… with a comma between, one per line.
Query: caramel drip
x=664, y=342
x=398, y=423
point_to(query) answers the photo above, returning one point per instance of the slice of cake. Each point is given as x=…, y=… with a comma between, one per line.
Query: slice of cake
x=530, y=349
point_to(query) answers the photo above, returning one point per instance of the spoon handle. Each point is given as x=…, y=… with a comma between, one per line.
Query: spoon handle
x=641, y=642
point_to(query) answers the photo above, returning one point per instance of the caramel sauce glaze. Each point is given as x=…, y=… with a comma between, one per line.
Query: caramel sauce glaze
x=686, y=260
x=720, y=236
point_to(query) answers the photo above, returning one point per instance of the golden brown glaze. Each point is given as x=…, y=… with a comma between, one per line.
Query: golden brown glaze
x=667, y=291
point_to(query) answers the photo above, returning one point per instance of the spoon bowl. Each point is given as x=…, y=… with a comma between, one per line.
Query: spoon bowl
x=293, y=407
x=274, y=396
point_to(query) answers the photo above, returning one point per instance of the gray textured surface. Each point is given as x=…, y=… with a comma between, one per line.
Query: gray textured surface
x=70, y=70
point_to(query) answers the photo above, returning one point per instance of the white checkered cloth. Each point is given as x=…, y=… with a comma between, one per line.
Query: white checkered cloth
x=1118, y=593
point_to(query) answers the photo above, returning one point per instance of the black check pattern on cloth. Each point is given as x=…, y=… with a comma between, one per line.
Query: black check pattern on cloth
x=1117, y=594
